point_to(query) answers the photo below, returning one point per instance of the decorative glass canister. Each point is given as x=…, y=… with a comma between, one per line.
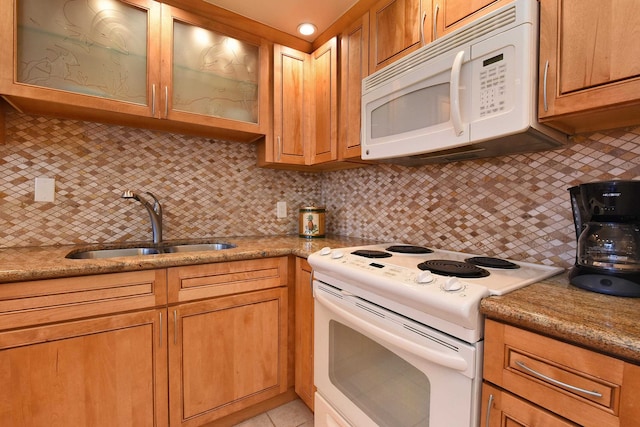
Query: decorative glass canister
x=312, y=221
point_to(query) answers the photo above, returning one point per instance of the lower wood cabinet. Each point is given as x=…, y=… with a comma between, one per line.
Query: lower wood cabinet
x=503, y=409
x=226, y=354
x=83, y=371
x=183, y=346
x=304, y=332
x=99, y=372
x=228, y=338
x=534, y=380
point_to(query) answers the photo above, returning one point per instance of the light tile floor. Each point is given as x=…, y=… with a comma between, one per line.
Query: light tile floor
x=292, y=414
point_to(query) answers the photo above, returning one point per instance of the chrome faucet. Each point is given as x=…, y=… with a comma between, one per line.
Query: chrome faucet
x=155, y=213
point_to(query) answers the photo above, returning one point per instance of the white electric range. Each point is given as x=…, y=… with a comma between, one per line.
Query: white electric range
x=398, y=333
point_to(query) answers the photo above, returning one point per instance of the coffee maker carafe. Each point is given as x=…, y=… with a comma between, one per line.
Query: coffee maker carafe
x=607, y=222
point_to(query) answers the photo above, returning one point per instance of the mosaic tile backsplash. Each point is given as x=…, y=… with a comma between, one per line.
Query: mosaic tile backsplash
x=514, y=206
x=207, y=188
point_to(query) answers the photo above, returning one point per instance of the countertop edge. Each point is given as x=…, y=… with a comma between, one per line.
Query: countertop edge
x=603, y=323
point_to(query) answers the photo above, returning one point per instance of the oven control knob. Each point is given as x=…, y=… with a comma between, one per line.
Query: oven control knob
x=325, y=251
x=337, y=254
x=452, y=284
x=424, y=277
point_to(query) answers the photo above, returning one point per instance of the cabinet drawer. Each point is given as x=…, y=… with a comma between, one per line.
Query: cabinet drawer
x=581, y=385
x=53, y=300
x=502, y=409
x=211, y=280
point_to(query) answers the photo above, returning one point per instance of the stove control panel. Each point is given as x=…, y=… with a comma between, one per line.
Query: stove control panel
x=398, y=274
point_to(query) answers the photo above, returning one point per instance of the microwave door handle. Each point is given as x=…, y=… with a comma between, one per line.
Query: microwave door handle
x=454, y=93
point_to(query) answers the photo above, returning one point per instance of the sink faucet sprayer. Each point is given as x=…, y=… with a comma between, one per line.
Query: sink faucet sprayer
x=155, y=213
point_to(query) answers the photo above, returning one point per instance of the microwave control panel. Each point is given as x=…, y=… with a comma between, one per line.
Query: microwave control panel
x=493, y=88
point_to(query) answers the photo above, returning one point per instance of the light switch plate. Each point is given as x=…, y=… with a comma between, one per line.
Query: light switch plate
x=45, y=190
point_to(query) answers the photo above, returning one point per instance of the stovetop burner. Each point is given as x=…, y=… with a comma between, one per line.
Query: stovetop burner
x=447, y=267
x=371, y=253
x=491, y=262
x=409, y=249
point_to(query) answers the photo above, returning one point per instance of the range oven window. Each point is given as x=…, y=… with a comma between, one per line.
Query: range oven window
x=387, y=388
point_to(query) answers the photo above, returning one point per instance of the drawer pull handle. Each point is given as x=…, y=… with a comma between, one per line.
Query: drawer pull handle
x=488, y=418
x=556, y=382
x=175, y=327
x=544, y=87
x=160, y=331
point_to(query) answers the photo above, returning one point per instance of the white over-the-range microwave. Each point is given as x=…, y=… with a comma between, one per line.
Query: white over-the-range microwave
x=470, y=94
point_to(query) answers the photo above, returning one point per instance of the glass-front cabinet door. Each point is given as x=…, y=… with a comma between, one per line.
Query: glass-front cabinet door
x=134, y=62
x=90, y=53
x=212, y=74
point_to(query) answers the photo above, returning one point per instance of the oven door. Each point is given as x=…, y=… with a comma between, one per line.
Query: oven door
x=376, y=368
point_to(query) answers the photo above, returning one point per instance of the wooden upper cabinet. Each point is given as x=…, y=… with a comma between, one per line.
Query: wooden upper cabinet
x=396, y=29
x=212, y=74
x=137, y=63
x=354, y=66
x=449, y=15
x=69, y=53
x=324, y=103
x=305, y=108
x=589, y=64
x=290, y=106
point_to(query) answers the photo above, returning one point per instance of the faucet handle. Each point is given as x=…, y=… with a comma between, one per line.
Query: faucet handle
x=128, y=194
x=157, y=207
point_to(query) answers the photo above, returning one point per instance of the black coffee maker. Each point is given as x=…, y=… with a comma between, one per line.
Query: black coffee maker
x=607, y=220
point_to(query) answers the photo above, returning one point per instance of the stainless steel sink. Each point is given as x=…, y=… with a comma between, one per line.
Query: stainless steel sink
x=199, y=247
x=169, y=249
x=112, y=253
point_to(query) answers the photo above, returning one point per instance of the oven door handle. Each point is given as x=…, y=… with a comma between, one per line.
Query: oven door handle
x=447, y=360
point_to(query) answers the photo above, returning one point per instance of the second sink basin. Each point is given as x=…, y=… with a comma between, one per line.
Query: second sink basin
x=169, y=249
x=198, y=247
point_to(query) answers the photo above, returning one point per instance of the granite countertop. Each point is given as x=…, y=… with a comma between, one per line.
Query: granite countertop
x=553, y=307
x=47, y=262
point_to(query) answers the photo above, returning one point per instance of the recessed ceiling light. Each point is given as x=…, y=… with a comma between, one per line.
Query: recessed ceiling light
x=306, y=29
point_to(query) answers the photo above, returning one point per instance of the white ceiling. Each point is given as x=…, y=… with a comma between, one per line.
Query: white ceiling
x=286, y=15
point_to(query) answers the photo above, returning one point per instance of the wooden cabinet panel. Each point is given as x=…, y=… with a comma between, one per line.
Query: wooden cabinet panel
x=226, y=354
x=396, y=29
x=502, y=409
x=449, y=15
x=290, y=105
x=591, y=36
x=305, y=116
x=194, y=282
x=54, y=300
x=580, y=385
x=354, y=66
x=99, y=372
x=324, y=103
x=304, y=332
x=589, y=68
